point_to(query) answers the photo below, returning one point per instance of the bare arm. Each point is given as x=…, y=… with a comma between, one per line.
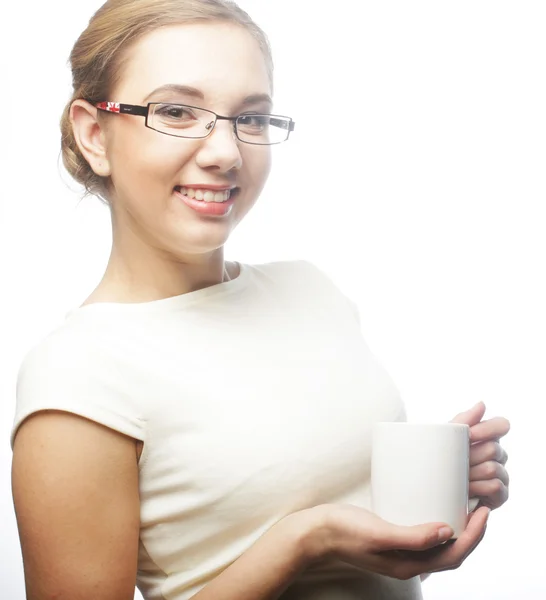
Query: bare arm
x=75, y=490
x=266, y=569
x=75, y=486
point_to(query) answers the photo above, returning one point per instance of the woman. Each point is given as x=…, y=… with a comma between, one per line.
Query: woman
x=198, y=427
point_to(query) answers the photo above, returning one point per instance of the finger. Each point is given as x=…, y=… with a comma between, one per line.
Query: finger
x=400, y=564
x=492, y=493
x=451, y=555
x=417, y=537
x=484, y=451
x=489, y=470
x=472, y=416
x=393, y=564
x=491, y=429
x=456, y=553
x=422, y=555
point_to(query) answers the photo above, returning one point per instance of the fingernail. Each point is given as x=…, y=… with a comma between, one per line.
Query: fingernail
x=445, y=534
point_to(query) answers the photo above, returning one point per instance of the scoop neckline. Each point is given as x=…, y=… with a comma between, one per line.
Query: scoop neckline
x=166, y=304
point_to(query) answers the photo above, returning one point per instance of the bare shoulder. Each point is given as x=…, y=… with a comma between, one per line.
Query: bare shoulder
x=75, y=491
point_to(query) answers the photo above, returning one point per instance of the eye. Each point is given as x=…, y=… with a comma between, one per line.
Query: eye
x=256, y=123
x=174, y=112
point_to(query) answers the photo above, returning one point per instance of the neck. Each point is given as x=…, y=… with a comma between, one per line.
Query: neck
x=145, y=274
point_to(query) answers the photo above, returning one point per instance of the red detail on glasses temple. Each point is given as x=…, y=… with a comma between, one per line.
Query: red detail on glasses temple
x=109, y=106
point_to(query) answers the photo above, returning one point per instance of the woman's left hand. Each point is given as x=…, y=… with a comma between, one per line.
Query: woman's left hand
x=488, y=475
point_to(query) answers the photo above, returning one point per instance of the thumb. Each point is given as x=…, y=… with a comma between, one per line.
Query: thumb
x=416, y=537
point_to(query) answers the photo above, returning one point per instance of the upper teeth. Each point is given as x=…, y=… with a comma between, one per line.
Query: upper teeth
x=206, y=195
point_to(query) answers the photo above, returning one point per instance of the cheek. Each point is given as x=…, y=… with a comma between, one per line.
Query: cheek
x=147, y=163
x=257, y=164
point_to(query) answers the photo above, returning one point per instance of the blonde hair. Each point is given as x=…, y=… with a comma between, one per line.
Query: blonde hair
x=97, y=57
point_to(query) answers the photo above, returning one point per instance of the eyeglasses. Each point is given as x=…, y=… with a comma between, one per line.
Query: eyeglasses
x=184, y=121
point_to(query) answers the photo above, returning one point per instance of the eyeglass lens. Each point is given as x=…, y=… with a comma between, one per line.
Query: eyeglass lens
x=184, y=121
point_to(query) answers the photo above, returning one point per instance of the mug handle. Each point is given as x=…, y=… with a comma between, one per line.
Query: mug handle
x=472, y=504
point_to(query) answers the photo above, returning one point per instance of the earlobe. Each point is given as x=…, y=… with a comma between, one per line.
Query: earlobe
x=89, y=136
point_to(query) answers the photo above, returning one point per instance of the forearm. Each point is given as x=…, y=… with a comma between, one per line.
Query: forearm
x=425, y=576
x=266, y=569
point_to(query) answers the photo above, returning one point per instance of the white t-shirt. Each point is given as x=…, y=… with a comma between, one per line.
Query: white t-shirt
x=254, y=399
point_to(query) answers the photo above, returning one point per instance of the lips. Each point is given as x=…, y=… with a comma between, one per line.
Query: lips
x=207, y=194
x=207, y=206
x=213, y=187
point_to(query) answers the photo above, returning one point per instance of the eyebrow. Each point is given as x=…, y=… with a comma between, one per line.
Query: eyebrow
x=195, y=93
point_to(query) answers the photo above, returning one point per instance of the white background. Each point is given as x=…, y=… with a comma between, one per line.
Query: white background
x=415, y=178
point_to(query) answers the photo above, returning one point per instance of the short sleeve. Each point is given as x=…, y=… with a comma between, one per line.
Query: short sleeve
x=77, y=377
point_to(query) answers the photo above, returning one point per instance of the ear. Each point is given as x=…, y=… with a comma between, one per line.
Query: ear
x=90, y=136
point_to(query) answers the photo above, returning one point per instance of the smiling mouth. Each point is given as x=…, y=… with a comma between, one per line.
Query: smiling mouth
x=207, y=196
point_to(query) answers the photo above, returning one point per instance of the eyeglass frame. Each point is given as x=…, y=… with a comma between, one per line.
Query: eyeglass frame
x=144, y=111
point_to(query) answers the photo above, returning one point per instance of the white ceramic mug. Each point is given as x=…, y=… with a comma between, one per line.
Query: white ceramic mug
x=420, y=473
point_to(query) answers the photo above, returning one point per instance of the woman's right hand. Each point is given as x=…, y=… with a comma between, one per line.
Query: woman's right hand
x=360, y=538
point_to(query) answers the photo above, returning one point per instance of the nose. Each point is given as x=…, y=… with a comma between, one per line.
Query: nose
x=220, y=149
